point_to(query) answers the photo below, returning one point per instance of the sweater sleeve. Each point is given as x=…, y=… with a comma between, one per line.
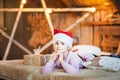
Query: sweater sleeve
x=73, y=66
x=48, y=68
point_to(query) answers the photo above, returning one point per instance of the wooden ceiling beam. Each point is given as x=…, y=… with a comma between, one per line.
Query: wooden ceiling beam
x=89, y=9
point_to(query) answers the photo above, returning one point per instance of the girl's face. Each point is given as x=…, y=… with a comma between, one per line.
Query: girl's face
x=60, y=47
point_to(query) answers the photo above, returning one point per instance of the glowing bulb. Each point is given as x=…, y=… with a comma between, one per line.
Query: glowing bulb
x=93, y=9
x=49, y=11
x=24, y=1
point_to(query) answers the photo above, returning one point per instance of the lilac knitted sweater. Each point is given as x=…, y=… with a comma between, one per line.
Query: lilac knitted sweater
x=71, y=64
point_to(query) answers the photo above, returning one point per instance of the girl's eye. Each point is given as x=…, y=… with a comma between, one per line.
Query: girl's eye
x=62, y=43
x=56, y=43
x=59, y=43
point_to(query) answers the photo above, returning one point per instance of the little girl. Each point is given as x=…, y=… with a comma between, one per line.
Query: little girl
x=63, y=57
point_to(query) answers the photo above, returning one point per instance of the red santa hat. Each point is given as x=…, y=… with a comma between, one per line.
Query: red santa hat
x=63, y=36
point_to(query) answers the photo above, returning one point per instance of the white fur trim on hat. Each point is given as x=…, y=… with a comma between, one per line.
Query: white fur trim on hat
x=63, y=38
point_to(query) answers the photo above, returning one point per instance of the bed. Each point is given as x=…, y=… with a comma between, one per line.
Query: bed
x=108, y=69
x=16, y=70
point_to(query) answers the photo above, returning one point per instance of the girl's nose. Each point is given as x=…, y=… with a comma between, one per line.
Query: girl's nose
x=58, y=46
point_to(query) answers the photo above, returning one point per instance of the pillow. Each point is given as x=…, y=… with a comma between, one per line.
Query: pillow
x=105, y=63
x=86, y=49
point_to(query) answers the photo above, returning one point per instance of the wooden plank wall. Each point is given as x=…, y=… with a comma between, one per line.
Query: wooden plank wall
x=86, y=32
x=97, y=29
x=90, y=34
x=1, y=15
x=107, y=37
x=110, y=38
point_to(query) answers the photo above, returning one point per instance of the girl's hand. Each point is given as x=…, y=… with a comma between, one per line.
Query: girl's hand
x=61, y=58
x=55, y=57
